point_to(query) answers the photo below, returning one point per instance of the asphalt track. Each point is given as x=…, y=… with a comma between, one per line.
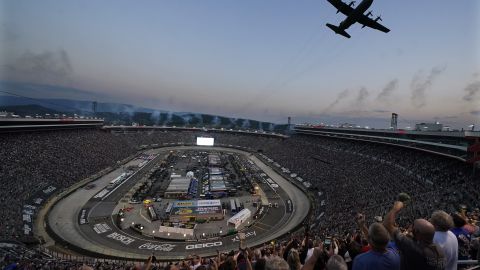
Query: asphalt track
x=64, y=219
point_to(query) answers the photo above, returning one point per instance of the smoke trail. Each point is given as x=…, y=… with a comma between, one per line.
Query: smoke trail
x=362, y=95
x=388, y=90
x=420, y=84
x=342, y=95
x=472, y=89
x=246, y=123
x=155, y=116
x=216, y=120
x=44, y=68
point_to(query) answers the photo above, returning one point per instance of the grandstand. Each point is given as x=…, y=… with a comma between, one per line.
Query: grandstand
x=34, y=124
x=451, y=143
x=341, y=171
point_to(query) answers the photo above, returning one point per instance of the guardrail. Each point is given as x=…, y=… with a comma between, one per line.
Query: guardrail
x=43, y=221
x=92, y=254
x=300, y=186
x=475, y=264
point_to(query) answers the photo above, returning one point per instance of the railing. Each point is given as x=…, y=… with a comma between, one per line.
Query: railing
x=472, y=264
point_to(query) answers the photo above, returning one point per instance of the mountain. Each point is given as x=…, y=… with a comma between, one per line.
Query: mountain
x=68, y=105
x=128, y=117
x=32, y=90
x=28, y=99
x=31, y=110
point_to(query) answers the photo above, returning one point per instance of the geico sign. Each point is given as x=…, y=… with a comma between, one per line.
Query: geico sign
x=204, y=245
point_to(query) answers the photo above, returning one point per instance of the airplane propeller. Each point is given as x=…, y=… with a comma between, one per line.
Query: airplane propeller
x=378, y=18
x=369, y=14
x=352, y=4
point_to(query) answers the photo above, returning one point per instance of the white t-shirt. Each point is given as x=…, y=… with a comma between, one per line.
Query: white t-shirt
x=309, y=254
x=449, y=244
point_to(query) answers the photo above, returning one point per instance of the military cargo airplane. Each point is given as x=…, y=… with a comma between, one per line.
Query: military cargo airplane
x=355, y=15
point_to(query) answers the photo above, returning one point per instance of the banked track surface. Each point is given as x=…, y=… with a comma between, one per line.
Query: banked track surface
x=63, y=221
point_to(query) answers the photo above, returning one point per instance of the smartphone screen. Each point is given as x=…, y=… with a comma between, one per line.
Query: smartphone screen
x=327, y=242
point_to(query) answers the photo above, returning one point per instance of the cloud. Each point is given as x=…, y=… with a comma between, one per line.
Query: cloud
x=472, y=89
x=342, y=95
x=8, y=34
x=380, y=111
x=354, y=113
x=476, y=113
x=388, y=90
x=49, y=67
x=446, y=117
x=421, y=83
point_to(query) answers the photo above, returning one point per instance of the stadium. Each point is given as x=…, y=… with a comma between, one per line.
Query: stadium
x=239, y=135
x=83, y=214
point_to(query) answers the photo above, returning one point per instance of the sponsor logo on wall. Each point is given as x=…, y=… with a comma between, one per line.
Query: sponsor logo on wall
x=204, y=245
x=101, y=228
x=157, y=247
x=121, y=238
x=82, y=219
x=249, y=234
x=101, y=194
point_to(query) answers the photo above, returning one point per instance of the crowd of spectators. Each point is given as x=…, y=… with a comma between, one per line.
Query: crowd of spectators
x=381, y=245
x=34, y=161
x=354, y=177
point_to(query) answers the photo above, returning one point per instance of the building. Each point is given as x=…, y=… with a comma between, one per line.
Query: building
x=429, y=127
x=190, y=211
x=218, y=188
x=214, y=160
x=178, y=187
x=239, y=218
x=216, y=180
x=215, y=171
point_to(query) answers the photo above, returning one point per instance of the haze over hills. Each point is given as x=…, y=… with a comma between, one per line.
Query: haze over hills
x=142, y=117
x=28, y=101
x=72, y=100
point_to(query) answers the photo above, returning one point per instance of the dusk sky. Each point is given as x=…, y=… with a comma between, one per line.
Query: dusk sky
x=264, y=60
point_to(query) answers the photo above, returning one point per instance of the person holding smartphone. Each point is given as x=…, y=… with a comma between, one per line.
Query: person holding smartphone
x=242, y=258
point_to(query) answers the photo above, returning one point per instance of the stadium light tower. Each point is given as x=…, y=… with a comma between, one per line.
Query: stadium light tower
x=393, y=121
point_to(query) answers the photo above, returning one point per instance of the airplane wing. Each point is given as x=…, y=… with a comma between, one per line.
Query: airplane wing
x=366, y=21
x=341, y=6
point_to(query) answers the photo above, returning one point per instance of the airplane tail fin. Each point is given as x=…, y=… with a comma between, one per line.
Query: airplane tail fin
x=338, y=30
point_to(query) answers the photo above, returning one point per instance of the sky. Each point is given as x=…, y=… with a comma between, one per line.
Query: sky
x=263, y=60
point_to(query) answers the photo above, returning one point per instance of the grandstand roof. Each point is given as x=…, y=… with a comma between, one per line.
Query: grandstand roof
x=451, y=144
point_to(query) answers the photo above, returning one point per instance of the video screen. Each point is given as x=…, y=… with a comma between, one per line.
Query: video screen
x=204, y=141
